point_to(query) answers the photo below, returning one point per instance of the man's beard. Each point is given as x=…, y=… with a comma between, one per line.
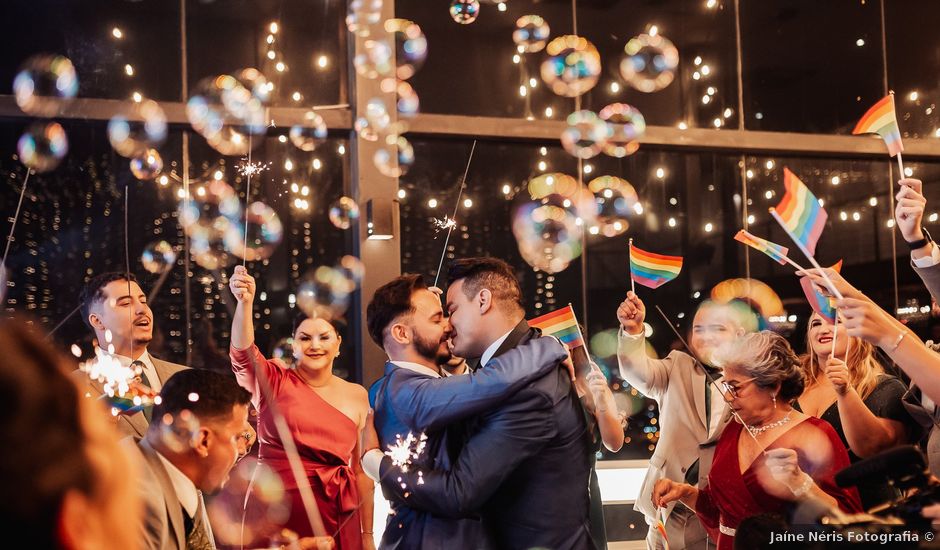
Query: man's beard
x=431, y=350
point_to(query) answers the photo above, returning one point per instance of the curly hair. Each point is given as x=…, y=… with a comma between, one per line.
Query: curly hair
x=768, y=358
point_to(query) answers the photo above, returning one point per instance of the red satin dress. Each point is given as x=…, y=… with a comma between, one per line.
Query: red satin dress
x=325, y=439
x=731, y=496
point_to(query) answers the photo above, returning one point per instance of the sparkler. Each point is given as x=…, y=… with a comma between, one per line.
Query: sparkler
x=451, y=223
x=404, y=451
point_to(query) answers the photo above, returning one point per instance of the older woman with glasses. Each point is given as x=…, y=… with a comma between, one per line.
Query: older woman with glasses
x=774, y=455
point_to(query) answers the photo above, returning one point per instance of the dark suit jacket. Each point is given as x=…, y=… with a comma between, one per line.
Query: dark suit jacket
x=410, y=402
x=524, y=470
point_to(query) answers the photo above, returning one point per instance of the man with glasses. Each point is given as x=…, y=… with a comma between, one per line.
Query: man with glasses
x=692, y=410
x=181, y=460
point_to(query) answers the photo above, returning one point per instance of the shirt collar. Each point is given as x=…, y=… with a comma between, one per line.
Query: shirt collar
x=491, y=351
x=185, y=489
x=416, y=367
x=126, y=361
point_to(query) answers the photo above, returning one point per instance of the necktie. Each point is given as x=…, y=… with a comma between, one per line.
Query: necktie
x=198, y=536
x=148, y=409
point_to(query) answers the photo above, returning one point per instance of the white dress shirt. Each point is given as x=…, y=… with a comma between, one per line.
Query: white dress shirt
x=185, y=489
x=928, y=261
x=155, y=383
x=490, y=351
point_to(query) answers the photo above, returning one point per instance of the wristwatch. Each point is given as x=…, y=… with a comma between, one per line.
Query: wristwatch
x=920, y=243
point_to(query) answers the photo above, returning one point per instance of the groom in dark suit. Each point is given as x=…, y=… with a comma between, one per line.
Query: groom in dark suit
x=525, y=466
x=415, y=396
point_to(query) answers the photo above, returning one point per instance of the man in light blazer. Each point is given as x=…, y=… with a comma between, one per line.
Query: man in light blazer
x=175, y=472
x=692, y=411
x=116, y=309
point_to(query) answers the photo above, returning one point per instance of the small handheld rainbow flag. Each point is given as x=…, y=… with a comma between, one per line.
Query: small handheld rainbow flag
x=881, y=119
x=775, y=251
x=653, y=270
x=561, y=324
x=822, y=305
x=661, y=527
x=799, y=213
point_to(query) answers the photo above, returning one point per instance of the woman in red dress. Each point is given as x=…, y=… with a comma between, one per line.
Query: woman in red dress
x=774, y=455
x=325, y=415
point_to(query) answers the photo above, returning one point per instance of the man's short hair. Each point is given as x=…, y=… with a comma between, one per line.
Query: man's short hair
x=739, y=312
x=489, y=273
x=209, y=395
x=93, y=291
x=390, y=301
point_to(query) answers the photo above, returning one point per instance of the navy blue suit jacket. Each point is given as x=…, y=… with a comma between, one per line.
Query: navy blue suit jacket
x=524, y=470
x=406, y=401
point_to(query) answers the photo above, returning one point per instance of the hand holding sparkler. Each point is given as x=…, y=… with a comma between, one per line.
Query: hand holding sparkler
x=242, y=285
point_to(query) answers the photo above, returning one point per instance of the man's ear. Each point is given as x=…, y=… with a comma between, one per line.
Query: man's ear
x=485, y=299
x=400, y=333
x=201, y=442
x=95, y=321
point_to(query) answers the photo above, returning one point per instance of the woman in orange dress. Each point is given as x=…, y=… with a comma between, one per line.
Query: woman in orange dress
x=325, y=415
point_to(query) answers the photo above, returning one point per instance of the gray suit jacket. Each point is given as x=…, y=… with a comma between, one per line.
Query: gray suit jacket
x=929, y=419
x=162, y=527
x=134, y=425
x=677, y=384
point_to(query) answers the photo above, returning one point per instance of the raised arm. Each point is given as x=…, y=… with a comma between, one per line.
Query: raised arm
x=507, y=438
x=430, y=403
x=599, y=400
x=649, y=376
x=246, y=358
x=909, y=215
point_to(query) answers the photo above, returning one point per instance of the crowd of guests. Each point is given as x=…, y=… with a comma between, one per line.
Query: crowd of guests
x=503, y=442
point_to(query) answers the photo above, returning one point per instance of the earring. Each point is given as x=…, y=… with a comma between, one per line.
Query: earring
x=774, y=397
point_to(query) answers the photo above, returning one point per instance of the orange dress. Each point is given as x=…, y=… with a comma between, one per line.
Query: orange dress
x=325, y=439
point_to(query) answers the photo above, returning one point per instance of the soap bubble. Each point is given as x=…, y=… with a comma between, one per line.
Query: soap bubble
x=411, y=47
x=586, y=134
x=227, y=113
x=344, y=212
x=615, y=199
x=147, y=165
x=362, y=16
x=208, y=213
x=43, y=146
x=309, y=135
x=142, y=127
x=464, y=11
x=268, y=505
x=404, y=156
x=548, y=235
x=45, y=82
x=626, y=125
x=325, y=292
x=158, y=257
x=572, y=67
x=649, y=63
x=375, y=59
x=178, y=432
x=531, y=33
x=265, y=232
x=407, y=101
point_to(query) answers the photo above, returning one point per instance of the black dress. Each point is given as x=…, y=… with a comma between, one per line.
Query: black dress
x=884, y=402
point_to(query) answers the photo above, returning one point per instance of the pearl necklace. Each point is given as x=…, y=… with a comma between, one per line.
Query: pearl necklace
x=767, y=427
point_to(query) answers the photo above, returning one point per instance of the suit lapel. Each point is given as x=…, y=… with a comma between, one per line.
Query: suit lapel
x=511, y=341
x=137, y=422
x=173, y=507
x=165, y=369
x=698, y=394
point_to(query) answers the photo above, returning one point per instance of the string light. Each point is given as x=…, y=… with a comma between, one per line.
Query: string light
x=549, y=112
x=402, y=194
x=117, y=33
x=683, y=126
x=322, y=61
x=432, y=203
x=836, y=180
x=128, y=70
x=913, y=96
x=660, y=173
x=614, y=87
x=873, y=201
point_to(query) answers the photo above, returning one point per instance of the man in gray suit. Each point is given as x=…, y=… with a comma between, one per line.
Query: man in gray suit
x=177, y=468
x=692, y=411
x=116, y=309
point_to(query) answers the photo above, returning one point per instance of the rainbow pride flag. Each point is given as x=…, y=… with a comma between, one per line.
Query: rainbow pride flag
x=775, y=251
x=799, y=213
x=661, y=527
x=561, y=324
x=653, y=270
x=820, y=304
x=881, y=119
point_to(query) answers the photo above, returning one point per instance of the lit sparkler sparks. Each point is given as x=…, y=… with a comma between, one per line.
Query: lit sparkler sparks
x=442, y=224
x=247, y=168
x=404, y=451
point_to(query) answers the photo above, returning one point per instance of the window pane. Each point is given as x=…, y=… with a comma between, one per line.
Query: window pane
x=911, y=31
x=471, y=69
x=117, y=47
x=803, y=72
x=72, y=227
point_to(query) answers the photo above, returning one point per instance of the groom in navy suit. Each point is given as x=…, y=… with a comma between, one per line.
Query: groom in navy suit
x=524, y=466
x=415, y=396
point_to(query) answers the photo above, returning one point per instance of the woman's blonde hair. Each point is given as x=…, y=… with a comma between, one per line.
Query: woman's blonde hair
x=864, y=368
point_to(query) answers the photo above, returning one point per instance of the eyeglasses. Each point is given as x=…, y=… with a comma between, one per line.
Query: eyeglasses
x=731, y=392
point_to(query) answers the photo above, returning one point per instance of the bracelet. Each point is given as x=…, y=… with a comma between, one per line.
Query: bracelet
x=368, y=533
x=897, y=342
x=803, y=489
